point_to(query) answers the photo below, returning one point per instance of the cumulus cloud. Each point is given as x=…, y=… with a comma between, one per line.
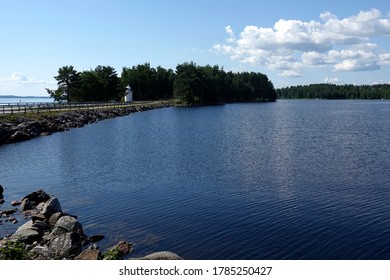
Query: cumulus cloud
x=333, y=80
x=291, y=46
x=19, y=79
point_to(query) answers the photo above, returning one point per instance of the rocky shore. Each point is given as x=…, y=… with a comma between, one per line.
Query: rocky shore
x=23, y=128
x=51, y=233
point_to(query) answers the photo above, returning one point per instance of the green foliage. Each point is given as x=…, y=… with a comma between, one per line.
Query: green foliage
x=148, y=83
x=113, y=254
x=191, y=84
x=13, y=250
x=210, y=84
x=331, y=91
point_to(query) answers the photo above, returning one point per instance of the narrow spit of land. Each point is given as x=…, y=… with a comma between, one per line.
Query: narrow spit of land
x=22, y=127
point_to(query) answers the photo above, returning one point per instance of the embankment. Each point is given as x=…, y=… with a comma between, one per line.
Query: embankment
x=24, y=128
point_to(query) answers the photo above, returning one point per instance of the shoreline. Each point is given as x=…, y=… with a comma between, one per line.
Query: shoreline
x=26, y=127
x=51, y=234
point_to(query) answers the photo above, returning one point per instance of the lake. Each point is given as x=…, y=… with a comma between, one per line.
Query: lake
x=5, y=100
x=294, y=179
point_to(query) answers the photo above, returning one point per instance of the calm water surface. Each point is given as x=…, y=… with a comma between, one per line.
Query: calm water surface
x=284, y=180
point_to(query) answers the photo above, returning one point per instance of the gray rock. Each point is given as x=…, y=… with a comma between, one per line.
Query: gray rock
x=19, y=136
x=26, y=235
x=90, y=254
x=163, y=255
x=25, y=205
x=40, y=226
x=67, y=224
x=66, y=245
x=16, y=202
x=40, y=252
x=37, y=197
x=54, y=218
x=51, y=206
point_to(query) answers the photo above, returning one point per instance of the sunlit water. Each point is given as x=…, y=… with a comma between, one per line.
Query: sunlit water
x=284, y=180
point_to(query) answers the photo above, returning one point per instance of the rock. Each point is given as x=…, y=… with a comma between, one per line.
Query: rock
x=163, y=255
x=66, y=245
x=1, y=190
x=16, y=202
x=67, y=224
x=95, y=238
x=37, y=197
x=19, y=136
x=2, y=200
x=41, y=252
x=13, y=220
x=90, y=254
x=5, y=133
x=124, y=247
x=25, y=205
x=7, y=212
x=40, y=226
x=54, y=218
x=38, y=217
x=26, y=235
x=51, y=206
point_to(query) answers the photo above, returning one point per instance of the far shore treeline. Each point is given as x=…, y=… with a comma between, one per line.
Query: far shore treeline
x=190, y=83
x=332, y=91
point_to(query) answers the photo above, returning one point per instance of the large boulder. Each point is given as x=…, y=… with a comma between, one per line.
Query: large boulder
x=27, y=234
x=37, y=197
x=67, y=224
x=50, y=207
x=66, y=245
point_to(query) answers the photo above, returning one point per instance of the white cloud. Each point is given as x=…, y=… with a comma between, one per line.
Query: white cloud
x=19, y=79
x=291, y=46
x=333, y=80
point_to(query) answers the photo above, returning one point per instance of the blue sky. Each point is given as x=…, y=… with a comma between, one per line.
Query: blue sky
x=292, y=42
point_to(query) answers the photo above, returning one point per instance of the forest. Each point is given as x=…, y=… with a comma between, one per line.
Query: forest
x=332, y=91
x=190, y=83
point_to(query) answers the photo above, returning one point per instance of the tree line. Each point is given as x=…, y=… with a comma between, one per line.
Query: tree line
x=190, y=83
x=332, y=91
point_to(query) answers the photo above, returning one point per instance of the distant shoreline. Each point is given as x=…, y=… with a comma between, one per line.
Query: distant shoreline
x=29, y=96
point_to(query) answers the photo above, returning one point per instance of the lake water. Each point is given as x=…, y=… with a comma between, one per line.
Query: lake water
x=284, y=180
x=24, y=100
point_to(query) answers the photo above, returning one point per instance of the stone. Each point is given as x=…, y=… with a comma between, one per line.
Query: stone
x=40, y=252
x=7, y=212
x=54, y=218
x=40, y=226
x=66, y=245
x=67, y=224
x=38, y=217
x=37, y=197
x=124, y=247
x=26, y=235
x=163, y=255
x=25, y=205
x=2, y=200
x=95, y=238
x=16, y=202
x=1, y=190
x=90, y=254
x=51, y=206
x=5, y=133
x=19, y=136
